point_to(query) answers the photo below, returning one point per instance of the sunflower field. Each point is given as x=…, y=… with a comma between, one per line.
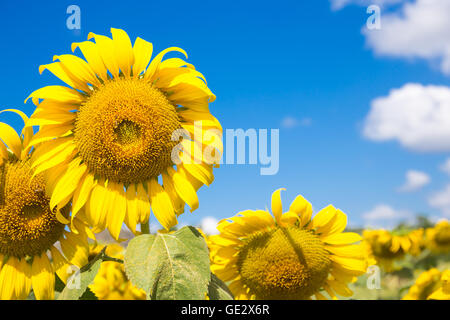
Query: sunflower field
x=98, y=156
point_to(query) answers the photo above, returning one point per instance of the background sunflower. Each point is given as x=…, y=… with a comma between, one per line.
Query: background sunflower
x=287, y=255
x=34, y=244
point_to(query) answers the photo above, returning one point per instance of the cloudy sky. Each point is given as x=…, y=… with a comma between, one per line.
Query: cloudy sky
x=363, y=113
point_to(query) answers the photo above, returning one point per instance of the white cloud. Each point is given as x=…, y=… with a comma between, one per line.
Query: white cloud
x=419, y=29
x=305, y=122
x=339, y=4
x=441, y=200
x=415, y=180
x=445, y=167
x=415, y=115
x=291, y=122
x=384, y=216
x=209, y=225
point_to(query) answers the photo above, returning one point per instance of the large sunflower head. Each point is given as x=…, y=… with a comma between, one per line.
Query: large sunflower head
x=438, y=237
x=111, y=282
x=287, y=255
x=30, y=232
x=127, y=133
x=425, y=285
x=385, y=246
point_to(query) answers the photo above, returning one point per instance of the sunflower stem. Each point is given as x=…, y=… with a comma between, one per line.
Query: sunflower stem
x=145, y=228
x=108, y=258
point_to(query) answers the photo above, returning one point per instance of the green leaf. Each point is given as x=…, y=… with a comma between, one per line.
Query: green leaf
x=169, y=266
x=79, y=281
x=218, y=290
x=59, y=284
x=31, y=296
x=88, y=295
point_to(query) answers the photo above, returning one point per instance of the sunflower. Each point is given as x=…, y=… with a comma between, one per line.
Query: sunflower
x=438, y=237
x=443, y=292
x=111, y=282
x=384, y=247
x=29, y=231
x=287, y=256
x=112, y=138
x=431, y=284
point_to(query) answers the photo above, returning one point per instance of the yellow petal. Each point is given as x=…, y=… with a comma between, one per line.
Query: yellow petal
x=320, y=296
x=26, y=132
x=118, y=209
x=23, y=278
x=57, y=93
x=350, y=263
x=395, y=244
x=176, y=63
x=80, y=226
x=142, y=54
x=349, y=272
x=62, y=157
x=67, y=184
x=79, y=70
x=107, y=51
x=82, y=193
x=143, y=203
x=335, y=225
x=303, y=208
x=43, y=118
x=342, y=238
x=42, y=278
x=340, y=288
x=276, y=205
x=152, y=70
x=190, y=115
x=161, y=205
x=330, y=291
x=4, y=155
x=123, y=50
x=340, y=275
x=92, y=56
x=75, y=249
x=97, y=206
x=51, y=176
x=323, y=217
x=178, y=203
x=201, y=172
x=185, y=93
x=196, y=183
x=60, y=264
x=50, y=149
x=50, y=132
x=249, y=221
x=289, y=218
x=132, y=216
x=51, y=106
x=175, y=78
x=11, y=139
x=184, y=189
x=57, y=69
x=349, y=251
x=7, y=280
x=405, y=244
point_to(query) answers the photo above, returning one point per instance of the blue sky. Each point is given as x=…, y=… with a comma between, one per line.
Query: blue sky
x=265, y=62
